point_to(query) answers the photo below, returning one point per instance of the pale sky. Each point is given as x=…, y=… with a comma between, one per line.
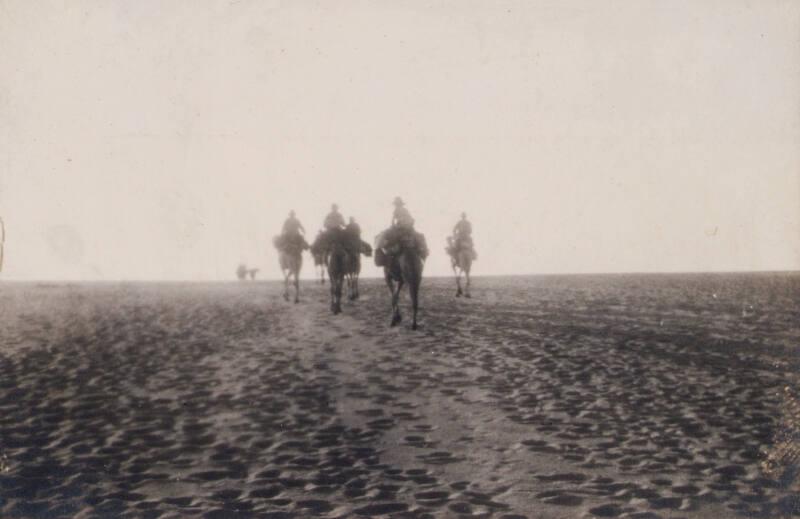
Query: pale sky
x=169, y=139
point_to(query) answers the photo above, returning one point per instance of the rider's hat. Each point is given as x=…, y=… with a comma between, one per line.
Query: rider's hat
x=463, y=215
x=335, y=207
x=398, y=201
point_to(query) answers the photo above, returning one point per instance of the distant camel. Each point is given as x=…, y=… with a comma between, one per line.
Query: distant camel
x=461, y=261
x=339, y=260
x=353, y=267
x=252, y=273
x=241, y=272
x=290, y=256
x=404, y=267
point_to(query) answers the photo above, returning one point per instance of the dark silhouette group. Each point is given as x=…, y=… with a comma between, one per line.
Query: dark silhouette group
x=400, y=250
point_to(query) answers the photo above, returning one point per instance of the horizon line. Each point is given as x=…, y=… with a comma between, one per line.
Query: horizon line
x=438, y=276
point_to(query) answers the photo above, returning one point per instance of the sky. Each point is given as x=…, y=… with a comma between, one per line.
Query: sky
x=168, y=140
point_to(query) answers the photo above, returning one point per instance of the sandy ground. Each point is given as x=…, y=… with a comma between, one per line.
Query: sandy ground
x=539, y=397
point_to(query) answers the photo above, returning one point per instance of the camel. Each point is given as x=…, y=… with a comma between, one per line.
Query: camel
x=461, y=262
x=241, y=272
x=339, y=257
x=353, y=269
x=290, y=256
x=400, y=268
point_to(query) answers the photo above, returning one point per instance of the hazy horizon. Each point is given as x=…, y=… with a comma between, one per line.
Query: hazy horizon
x=157, y=141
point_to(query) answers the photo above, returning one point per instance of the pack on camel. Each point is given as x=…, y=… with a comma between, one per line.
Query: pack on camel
x=401, y=251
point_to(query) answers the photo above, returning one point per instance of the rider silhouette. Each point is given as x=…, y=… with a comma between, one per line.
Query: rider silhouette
x=334, y=220
x=353, y=228
x=401, y=217
x=293, y=232
x=463, y=228
x=292, y=225
x=401, y=230
x=462, y=235
x=333, y=223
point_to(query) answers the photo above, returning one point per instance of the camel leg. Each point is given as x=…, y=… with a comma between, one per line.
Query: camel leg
x=466, y=273
x=355, y=284
x=396, y=316
x=459, y=292
x=350, y=287
x=339, y=290
x=334, y=308
x=390, y=286
x=413, y=289
x=286, y=286
x=296, y=287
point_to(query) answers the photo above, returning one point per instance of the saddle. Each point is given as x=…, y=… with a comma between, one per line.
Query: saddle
x=290, y=243
x=461, y=244
x=393, y=241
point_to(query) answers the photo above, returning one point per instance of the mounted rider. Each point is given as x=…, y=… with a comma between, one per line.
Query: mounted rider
x=462, y=238
x=292, y=235
x=353, y=231
x=334, y=220
x=353, y=228
x=400, y=233
x=332, y=227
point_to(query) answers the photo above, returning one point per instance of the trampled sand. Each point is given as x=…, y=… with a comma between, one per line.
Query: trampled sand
x=615, y=396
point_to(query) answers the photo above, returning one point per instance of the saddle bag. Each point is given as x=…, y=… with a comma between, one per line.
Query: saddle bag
x=380, y=258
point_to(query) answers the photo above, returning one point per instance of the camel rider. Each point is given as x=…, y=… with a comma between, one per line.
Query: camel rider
x=292, y=226
x=463, y=228
x=402, y=227
x=354, y=231
x=353, y=228
x=293, y=232
x=462, y=235
x=401, y=217
x=334, y=220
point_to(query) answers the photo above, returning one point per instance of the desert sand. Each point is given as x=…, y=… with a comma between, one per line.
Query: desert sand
x=609, y=396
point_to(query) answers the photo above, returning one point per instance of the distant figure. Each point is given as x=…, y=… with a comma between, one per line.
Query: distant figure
x=241, y=272
x=401, y=251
